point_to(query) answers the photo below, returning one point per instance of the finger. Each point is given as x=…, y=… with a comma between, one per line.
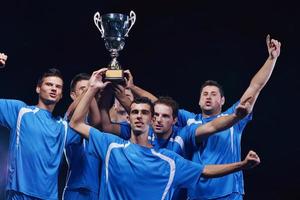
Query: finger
x=268, y=39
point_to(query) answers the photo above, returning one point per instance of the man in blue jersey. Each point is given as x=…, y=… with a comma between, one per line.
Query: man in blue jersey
x=225, y=146
x=133, y=169
x=37, y=140
x=83, y=177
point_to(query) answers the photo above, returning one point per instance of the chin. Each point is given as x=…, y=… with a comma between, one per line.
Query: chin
x=50, y=101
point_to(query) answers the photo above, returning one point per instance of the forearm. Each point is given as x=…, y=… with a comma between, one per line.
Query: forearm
x=263, y=75
x=106, y=124
x=94, y=113
x=259, y=80
x=72, y=107
x=211, y=171
x=125, y=102
x=217, y=125
x=78, y=119
x=139, y=92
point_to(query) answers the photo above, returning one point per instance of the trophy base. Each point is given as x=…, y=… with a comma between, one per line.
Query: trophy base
x=114, y=75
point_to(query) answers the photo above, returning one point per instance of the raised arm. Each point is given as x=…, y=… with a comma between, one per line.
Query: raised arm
x=105, y=103
x=78, y=119
x=211, y=171
x=124, y=100
x=223, y=122
x=262, y=76
x=137, y=91
x=3, y=59
x=93, y=114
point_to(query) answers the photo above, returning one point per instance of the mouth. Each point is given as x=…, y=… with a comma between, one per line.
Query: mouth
x=138, y=124
x=208, y=103
x=52, y=95
x=158, y=127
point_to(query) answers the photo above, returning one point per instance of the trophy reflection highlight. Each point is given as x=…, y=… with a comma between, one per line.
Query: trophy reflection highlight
x=114, y=27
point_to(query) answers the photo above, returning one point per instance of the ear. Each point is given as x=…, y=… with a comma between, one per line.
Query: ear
x=37, y=89
x=175, y=120
x=222, y=100
x=73, y=96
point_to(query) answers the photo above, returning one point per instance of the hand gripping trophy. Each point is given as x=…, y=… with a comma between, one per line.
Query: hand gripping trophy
x=114, y=27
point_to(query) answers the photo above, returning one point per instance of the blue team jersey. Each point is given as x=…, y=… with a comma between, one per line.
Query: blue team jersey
x=131, y=171
x=36, y=144
x=220, y=148
x=84, y=169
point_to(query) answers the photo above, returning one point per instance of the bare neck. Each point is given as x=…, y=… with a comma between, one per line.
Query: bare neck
x=140, y=139
x=49, y=107
x=207, y=114
x=165, y=135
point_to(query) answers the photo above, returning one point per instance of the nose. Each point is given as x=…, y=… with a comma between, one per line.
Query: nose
x=208, y=96
x=53, y=88
x=139, y=115
x=158, y=118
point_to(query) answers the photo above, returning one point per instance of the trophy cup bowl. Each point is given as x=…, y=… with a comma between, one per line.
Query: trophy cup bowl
x=114, y=27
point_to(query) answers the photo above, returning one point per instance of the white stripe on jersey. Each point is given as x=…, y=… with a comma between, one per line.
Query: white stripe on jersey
x=193, y=121
x=20, y=115
x=110, y=148
x=231, y=138
x=172, y=171
x=179, y=141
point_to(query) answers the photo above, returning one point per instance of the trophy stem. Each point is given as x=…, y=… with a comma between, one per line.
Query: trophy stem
x=114, y=64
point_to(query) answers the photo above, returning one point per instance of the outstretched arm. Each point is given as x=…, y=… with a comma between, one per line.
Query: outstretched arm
x=262, y=76
x=211, y=171
x=223, y=122
x=78, y=119
x=137, y=91
x=3, y=59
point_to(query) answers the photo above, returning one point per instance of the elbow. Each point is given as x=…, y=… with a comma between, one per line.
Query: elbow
x=206, y=173
x=74, y=123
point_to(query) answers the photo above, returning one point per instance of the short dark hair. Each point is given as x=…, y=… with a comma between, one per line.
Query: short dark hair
x=49, y=72
x=168, y=101
x=212, y=83
x=145, y=100
x=77, y=78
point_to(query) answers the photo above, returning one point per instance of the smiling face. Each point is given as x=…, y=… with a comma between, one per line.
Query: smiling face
x=50, y=90
x=211, y=101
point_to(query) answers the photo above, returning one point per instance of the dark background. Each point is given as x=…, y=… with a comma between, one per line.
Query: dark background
x=172, y=48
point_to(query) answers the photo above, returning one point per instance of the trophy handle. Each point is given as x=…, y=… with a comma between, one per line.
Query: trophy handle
x=132, y=21
x=97, y=20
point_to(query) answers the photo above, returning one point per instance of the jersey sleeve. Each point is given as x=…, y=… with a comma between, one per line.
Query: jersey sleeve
x=72, y=136
x=183, y=116
x=99, y=142
x=9, y=111
x=187, y=172
x=125, y=130
x=188, y=133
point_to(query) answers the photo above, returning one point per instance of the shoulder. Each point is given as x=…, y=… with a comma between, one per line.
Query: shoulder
x=13, y=102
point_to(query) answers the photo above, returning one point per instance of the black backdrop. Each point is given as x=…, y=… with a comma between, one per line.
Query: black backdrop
x=173, y=47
